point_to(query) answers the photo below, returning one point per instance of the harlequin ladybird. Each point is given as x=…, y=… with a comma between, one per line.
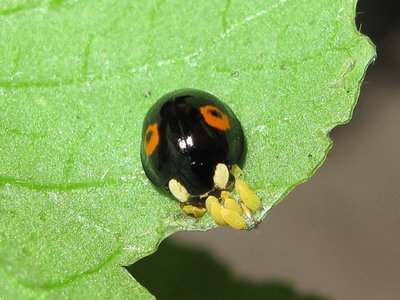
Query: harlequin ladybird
x=191, y=145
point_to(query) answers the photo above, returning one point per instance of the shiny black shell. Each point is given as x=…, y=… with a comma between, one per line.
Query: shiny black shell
x=184, y=138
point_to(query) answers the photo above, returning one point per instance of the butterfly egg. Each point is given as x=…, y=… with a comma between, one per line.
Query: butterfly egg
x=233, y=205
x=233, y=219
x=246, y=210
x=215, y=210
x=247, y=195
x=236, y=172
x=210, y=200
x=225, y=194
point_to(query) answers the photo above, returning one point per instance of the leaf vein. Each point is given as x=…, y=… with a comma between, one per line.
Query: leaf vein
x=70, y=186
x=225, y=14
x=68, y=279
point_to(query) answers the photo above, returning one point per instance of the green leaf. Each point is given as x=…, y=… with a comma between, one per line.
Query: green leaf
x=76, y=80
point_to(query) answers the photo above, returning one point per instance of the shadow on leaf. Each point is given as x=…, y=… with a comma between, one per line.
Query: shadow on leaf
x=180, y=272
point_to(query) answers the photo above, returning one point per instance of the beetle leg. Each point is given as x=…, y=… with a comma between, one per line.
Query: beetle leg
x=221, y=176
x=178, y=190
x=192, y=210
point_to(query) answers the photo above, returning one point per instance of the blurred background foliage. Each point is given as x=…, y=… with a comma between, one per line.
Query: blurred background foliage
x=176, y=271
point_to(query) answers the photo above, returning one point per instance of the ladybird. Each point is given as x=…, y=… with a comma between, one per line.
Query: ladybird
x=191, y=146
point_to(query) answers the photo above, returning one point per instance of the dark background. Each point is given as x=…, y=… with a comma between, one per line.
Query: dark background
x=336, y=236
